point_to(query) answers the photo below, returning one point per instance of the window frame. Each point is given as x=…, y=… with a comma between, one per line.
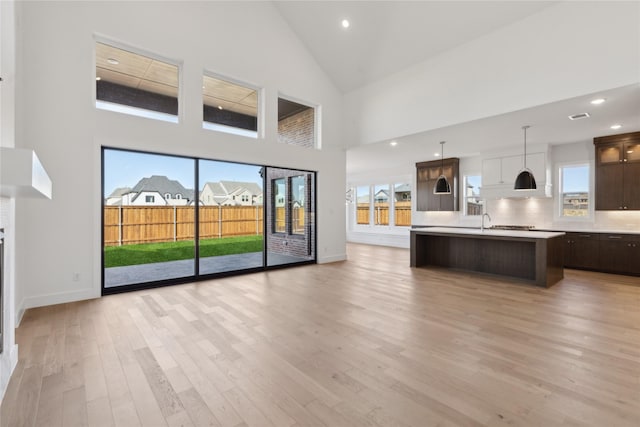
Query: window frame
x=559, y=203
x=137, y=111
x=390, y=185
x=217, y=127
x=276, y=195
x=317, y=116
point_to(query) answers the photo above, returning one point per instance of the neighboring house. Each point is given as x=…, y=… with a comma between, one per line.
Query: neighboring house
x=115, y=198
x=575, y=200
x=381, y=196
x=231, y=193
x=156, y=190
x=402, y=193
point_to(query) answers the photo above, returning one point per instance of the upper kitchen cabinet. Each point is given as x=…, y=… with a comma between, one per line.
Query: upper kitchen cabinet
x=499, y=175
x=427, y=174
x=618, y=172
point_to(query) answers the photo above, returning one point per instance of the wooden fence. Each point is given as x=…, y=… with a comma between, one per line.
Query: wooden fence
x=381, y=213
x=126, y=225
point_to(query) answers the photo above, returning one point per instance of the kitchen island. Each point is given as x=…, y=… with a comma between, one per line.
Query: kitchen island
x=535, y=257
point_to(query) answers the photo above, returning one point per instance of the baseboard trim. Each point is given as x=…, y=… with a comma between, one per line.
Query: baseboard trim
x=52, y=299
x=393, y=240
x=332, y=258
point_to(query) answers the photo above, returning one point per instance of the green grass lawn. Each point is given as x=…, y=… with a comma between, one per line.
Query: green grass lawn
x=116, y=256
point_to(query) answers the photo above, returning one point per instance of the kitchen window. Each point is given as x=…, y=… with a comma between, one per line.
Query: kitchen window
x=362, y=205
x=385, y=205
x=575, y=195
x=471, y=196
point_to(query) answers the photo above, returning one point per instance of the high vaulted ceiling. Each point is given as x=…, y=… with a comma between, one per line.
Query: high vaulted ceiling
x=385, y=37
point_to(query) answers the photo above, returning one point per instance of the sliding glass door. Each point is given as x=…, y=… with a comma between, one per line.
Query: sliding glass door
x=149, y=211
x=170, y=219
x=230, y=217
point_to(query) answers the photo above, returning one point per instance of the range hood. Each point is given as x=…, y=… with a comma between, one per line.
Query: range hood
x=22, y=174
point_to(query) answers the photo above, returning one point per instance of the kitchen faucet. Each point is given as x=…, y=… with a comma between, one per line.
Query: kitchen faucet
x=482, y=223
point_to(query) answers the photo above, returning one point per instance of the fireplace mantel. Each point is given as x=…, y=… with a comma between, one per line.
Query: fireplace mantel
x=22, y=174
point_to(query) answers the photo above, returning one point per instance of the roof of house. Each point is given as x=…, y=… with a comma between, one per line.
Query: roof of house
x=237, y=186
x=402, y=188
x=162, y=185
x=119, y=192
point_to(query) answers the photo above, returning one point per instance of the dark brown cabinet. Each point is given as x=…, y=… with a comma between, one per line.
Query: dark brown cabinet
x=427, y=175
x=582, y=251
x=616, y=253
x=618, y=172
x=620, y=253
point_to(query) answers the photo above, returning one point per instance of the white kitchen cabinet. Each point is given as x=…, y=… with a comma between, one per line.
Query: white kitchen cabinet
x=504, y=170
x=499, y=175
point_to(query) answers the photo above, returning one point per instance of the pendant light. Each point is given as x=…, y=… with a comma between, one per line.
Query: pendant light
x=442, y=185
x=525, y=179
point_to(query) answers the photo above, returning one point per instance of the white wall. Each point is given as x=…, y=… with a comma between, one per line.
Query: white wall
x=56, y=117
x=564, y=51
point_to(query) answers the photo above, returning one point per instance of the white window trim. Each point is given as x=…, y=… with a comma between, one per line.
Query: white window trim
x=391, y=227
x=230, y=129
x=135, y=111
x=557, y=208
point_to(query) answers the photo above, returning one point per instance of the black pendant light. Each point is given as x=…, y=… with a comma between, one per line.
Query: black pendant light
x=442, y=185
x=525, y=179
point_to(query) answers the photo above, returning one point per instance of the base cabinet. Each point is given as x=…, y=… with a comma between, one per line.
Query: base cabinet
x=582, y=251
x=620, y=253
x=606, y=252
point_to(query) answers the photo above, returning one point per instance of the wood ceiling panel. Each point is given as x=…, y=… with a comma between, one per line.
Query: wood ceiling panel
x=231, y=106
x=230, y=96
x=160, y=88
x=128, y=63
x=136, y=71
x=251, y=100
x=161, y=72
x=225, y=90
x=115, y=77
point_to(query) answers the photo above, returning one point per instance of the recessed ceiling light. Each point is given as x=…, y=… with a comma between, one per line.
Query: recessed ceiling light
x=616, y=126
x=345, y=23
x=598, y=101
x=98, y=78
x=393, y=143
x=113, y=61
x=219, y=107
x=436, y=154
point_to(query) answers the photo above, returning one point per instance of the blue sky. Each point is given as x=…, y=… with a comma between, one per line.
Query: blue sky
x=575, y=179
x=125, y=169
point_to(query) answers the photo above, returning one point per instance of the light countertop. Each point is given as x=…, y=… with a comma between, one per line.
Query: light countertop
x=489, y=232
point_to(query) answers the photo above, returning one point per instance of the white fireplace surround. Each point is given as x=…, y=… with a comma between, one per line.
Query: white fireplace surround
x=9, y=356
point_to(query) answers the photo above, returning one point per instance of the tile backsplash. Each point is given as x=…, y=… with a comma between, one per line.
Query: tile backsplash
x=538, y=212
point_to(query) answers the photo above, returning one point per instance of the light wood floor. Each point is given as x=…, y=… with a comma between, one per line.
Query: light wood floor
x=368, y=342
